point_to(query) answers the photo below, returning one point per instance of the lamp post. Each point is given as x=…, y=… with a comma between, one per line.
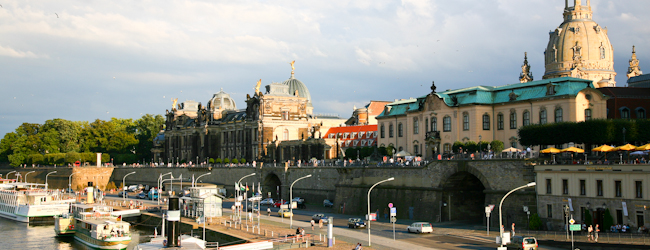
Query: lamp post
x=500, y=212
x=370, y=190
x=480, y=153
x=197, y=178
x=70, y=182
x=7, y=176
x=239, y=192
x=124, y=186
x=291, y=200
x=46, y=178
x=160, y=184
x=27, y=174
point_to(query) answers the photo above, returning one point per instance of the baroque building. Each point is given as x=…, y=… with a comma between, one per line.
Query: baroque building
x=580, y=48
x=283, y=112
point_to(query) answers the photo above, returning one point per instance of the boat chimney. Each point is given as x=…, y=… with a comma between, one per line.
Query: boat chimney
x=90, y=193
x=173, y=222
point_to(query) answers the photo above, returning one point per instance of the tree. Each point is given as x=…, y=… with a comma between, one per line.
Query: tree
x=588, y=221
x=242, y=160
x=608, y=221
x=535, y=222
x=457, y=146
x=496, y=146
x=146, y=129
x=235, y=160
x=389, y=150
x=351, y=153
x=111, y=185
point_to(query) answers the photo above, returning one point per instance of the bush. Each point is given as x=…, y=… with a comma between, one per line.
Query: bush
x=111, y=185
x=389, y=151
x=457, y=146
x=242, y=160
x=496, y=146
x=72, y=157
x=588, y=221
x=471, y=146
x=608, y=221
x=535, y=222
x=226, y=160
x=219, y=160
x=211, y=161
x=235, y=161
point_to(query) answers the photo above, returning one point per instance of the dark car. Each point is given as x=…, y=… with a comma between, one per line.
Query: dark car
x=318, y=217
x=356, y=223
x=123, y=194
x=142, y=195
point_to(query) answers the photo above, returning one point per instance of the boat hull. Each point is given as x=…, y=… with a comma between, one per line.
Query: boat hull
x=102, y=244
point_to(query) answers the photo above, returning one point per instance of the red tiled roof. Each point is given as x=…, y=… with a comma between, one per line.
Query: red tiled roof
x=366, y=129
x=376, y=107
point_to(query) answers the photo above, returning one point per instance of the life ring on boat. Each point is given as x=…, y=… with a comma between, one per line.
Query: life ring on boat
x=70, y=226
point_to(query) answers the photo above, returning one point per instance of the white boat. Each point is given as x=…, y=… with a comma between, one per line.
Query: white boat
x=25, y=202
x=187, y=242
x=94, y=225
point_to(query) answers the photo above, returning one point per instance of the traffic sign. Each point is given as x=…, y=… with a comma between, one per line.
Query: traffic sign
x=390, y=205
x=572, y=221
x=393, y=219
x=575, y=227
x=491, y=207
x=393, y=211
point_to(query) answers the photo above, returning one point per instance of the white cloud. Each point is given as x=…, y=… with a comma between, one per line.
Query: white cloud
x=5, y=51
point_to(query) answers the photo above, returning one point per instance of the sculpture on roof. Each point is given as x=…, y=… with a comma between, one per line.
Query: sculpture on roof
x=634, y=69
x=257, y=87
x=433, y=87
x=513, y=96
x=526, y=75
x=174, y=101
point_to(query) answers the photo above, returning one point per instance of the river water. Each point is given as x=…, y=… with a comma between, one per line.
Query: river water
x=17, y=235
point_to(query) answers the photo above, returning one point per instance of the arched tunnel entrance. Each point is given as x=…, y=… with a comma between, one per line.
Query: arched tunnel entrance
x=463, y=198
x=273, y=185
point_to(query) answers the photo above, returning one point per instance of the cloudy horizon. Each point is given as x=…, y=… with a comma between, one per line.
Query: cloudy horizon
x=81, y=61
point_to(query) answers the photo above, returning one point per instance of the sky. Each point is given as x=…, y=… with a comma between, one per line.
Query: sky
x=86, y=60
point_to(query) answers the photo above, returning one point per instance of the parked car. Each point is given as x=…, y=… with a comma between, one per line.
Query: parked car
x=280, y=202
x=142, y=195
x=284, y=213
x=523, y=243
x=327, y=203
x=267, y=202
x=356, y=223
x=420, y=227
x=123, y=194
x=298, y=199
x=318, y=217
x=252, y=208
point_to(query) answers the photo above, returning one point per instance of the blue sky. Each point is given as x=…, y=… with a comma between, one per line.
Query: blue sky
x=103, y=59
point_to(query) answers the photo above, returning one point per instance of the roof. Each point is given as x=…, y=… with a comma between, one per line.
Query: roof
x=376, y=107
x=296, y=85
x=351, y=129
x=353, y=136
x=628, y=92
x=488, y=95
x=640, y=78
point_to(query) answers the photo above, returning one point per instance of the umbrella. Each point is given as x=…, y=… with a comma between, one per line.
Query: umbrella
x=643, y=148
x=550, y=150
x=573, y=149
x=626, y=147
x=403, y=153
x=603, y=148
x=511, y=149
x=639, y=153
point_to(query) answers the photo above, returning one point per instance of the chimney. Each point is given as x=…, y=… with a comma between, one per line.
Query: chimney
x=173, y=222
x=90, y=195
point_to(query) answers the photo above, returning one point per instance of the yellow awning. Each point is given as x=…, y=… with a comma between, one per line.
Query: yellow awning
x=550, y=150
x=626, y=147
x=603, y=148
x=573, y=149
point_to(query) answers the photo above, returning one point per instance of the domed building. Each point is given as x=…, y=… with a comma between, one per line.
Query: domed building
x=297, y=88
x=220, y=102
x=580, y=48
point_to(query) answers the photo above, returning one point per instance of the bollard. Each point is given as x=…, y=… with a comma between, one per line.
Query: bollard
x=264, y=232
x=271, y=234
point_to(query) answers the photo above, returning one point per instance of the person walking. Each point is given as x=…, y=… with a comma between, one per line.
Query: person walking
x=385, y=213
x=596, y=233
x=320, y=223
x=513, y=229
x=358, y=247
x=268, y=211
x=590, y=231
x=312, y=224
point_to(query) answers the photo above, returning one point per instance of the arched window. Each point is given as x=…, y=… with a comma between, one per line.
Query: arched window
x=285, y=135
x=416, y=150
x=526, y=118
x=446, y=148
x=513, y=119
x=587, y=114
x=542, y=116
x=558, y=115
x=416, y=126
x=426, y=125
x=465, y=121
x=446, y=124
x=400, y=130
x=390, y=130
x=486, y=122
x=500, y=121
x=382, y=130
x=434, y=123
x=640, y=113
x=625, y=113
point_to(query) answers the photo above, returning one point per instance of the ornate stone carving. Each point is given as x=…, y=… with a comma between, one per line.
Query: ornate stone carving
x=433, y=87
x=633, y=70
x=513, y=96
x=526, y=75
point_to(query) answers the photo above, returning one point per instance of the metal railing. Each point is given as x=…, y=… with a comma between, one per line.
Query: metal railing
x=580, y=236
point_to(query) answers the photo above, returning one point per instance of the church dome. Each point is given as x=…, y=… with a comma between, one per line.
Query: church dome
x=580, y=48
x=221, y=100
x=296, y=85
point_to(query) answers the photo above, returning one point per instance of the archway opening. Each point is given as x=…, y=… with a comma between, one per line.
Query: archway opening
x=463, y=199
x=272, y=185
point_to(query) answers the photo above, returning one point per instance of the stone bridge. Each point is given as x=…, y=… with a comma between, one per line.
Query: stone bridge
x=440, y=191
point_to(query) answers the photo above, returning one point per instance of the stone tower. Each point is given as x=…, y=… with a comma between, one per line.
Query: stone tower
x=580, y=48
x=633, y=70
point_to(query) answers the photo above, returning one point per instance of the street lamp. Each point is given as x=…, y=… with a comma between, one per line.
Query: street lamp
x=291, y=200
x=370, y=190
x=124, y=185
x=46, y=178
x=239, y=191
x=70, y=182
x=27, y=174
x=623, y=135
x=7, y=176
x=500, y=204
x=197, y=178
x=479, y=146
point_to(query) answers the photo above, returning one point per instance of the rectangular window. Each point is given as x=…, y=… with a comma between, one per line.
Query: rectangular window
x=526, y=118
x=500, y=122
x=426, y=125
x=285, y=115
x=465, y=122
x=639, y=189
x=549, y=188
x=587, y=114
x=583, y=187
x=618, y=190
x=542, y=116
x=549, y=211
x=416, y=149
x=558, y=115
x=416, y=126
x=446, y=124
x=513, y=120
x=599, y=188
x=565, y=186
x=486, y=122
x=434, y=124
x=383, y=130
x=639, y=218
x=400, y=130
x=619, y=216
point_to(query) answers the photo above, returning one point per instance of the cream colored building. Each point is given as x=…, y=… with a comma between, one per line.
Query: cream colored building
x=623, y=189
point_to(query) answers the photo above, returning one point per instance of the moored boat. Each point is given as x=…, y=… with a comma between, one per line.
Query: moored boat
x=26, y=202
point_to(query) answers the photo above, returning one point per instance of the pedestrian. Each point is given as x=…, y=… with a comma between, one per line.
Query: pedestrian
x=590, y=231
x=385, y=213
x=513, y=229
x=596, y=233
x=268, y=211
x=320, y=223
x=358, y=247
x=302, y=233
x=312, y=224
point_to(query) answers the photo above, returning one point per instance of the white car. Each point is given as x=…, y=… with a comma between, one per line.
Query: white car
x=267, y=202
x=420, y=227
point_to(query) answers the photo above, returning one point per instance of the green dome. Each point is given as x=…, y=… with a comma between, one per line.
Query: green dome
x=295, y=84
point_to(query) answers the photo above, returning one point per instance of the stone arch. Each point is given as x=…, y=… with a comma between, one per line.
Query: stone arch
x=463, y=195
x=271, y=183
x=472, y=170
